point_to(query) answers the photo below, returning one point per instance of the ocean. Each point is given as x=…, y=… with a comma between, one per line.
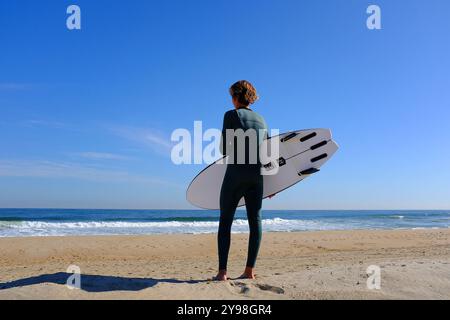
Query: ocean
x=74, y=222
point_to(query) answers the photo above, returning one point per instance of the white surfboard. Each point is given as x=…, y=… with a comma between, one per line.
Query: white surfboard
x=302, y=154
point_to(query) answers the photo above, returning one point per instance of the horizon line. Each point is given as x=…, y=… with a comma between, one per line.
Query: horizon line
x=198, y=209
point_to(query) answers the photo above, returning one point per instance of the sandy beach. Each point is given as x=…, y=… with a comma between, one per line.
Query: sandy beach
x=415, y=264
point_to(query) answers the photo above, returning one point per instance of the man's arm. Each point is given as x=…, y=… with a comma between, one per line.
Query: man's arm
x=226, y=125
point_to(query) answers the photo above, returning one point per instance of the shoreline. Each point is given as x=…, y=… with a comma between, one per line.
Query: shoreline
x=33, y=222
x=215, y=233
x=292, y=265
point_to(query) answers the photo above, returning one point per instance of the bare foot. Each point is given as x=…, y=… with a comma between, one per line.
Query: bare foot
x=249, y=273
x=221, y=276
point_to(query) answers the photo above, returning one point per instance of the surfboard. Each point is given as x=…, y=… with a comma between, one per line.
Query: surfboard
x=302, y=154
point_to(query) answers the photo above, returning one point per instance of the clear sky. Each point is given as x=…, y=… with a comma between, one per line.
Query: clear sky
x=86, y=115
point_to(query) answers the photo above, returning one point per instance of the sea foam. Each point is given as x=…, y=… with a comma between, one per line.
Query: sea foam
x=40, y=228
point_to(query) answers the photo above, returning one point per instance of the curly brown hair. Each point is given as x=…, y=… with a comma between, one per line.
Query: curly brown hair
x=244, y=92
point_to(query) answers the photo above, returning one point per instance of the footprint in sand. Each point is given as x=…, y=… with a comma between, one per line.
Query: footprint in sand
x=268, y=287
x=243, y=288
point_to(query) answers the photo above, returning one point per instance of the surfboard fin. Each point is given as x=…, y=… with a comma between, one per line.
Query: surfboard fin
x=309, y=136
x=289, y=137
x=319, y=145
x=322, y=156
x=308, y=172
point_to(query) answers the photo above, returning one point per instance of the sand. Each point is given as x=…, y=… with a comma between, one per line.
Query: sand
x=414, y=264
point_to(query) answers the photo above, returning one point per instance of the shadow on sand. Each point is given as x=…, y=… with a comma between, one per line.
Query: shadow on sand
x=94, y=283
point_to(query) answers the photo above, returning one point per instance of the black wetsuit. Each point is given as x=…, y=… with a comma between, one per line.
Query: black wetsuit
x=241, y=180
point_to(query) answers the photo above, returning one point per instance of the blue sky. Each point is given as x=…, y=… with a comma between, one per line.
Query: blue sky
x=86, y=116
